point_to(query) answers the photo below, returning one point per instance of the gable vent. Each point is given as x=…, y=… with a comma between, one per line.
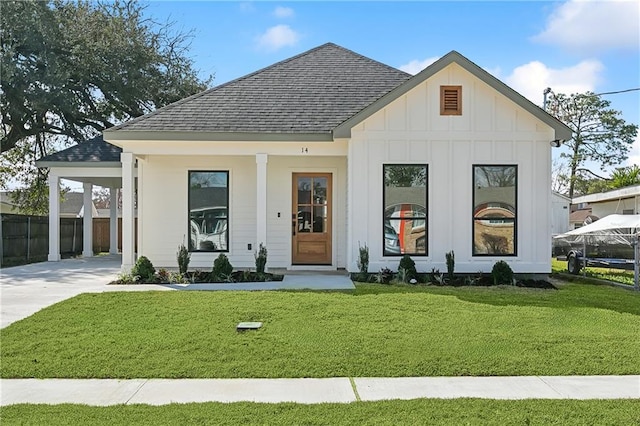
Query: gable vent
x=450, y=100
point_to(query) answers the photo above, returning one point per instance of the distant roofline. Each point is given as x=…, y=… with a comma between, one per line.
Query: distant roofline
x=627, y=192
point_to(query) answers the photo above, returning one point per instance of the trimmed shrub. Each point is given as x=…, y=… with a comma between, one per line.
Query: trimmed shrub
x=184, y=257
x=363, y=259
x=451, y=264
x=261, y=259
x=409, y=267
x=502, y=273
x=143, y=268
x=222, y=268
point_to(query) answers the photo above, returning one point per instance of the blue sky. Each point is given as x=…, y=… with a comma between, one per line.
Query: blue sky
x=570, y=46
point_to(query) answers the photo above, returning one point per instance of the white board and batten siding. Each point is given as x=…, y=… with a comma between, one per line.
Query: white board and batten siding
x=163, y=191
x=280, y=170
x=492, y=130
x=164, y=218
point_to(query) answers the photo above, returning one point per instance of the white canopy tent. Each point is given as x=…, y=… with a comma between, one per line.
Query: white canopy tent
x=615, y=229
x=612, y=229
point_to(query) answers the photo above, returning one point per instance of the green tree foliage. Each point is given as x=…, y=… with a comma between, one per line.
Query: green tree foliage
x=625, y=176
x=404, y=176
x=599, y=134
x=73, y=69
x=590, y=183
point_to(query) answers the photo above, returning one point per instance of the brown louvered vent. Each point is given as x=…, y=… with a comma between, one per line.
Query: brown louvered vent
x=450, y=100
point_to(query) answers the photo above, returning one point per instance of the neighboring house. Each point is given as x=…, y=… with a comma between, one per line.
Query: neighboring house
x=325, y=152
x=618, y=201
x=581, y=217
x=70, y=206
x=560, y=211
x=7, y=205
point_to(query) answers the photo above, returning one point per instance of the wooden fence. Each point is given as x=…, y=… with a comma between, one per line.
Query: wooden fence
x=25, y=239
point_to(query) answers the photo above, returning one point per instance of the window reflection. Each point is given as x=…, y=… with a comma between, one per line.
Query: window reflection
x=494, y=214
x=312, y=204
x=405, y=199
x=208, y=211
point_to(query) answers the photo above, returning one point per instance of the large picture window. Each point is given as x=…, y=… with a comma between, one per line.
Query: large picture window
x=208, y=211
x=495, y=210
x=405, y=210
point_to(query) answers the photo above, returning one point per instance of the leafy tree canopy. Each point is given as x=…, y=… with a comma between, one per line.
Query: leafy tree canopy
x=72, y=69
x=587, y=182
x=599, y=134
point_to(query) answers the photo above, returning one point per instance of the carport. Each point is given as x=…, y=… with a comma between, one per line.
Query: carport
x=93, y=162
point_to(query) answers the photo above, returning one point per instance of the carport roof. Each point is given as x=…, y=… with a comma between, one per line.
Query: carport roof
x=93, y=152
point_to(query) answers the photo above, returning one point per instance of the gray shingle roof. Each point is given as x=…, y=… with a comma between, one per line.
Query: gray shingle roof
x=92, y=150
x=72, y=203
x=310, y=93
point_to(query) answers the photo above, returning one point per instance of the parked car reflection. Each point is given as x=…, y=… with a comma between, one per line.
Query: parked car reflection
x=208, y=229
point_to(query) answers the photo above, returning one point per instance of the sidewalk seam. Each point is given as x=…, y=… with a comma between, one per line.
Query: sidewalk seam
x=355, y=389
x=136, y=391
x=553, y=389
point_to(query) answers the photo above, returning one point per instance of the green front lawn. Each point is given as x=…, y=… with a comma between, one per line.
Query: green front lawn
x=414, y=412
x=376, y=331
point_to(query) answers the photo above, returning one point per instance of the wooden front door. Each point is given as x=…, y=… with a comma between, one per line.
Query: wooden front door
x=311, y=219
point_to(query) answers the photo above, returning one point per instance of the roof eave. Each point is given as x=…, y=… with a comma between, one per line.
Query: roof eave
x=70, y=163
x=561, y=130
x=142, y=135
x=616, y=194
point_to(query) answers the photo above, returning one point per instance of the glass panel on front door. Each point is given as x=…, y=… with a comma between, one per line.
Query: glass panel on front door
x=312, y=210
x=311, y=235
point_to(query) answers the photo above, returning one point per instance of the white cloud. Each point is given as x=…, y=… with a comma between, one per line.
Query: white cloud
x=277, y=37
x=415, y=66
x=531, y=79
x=593, y=26
x=283, y=12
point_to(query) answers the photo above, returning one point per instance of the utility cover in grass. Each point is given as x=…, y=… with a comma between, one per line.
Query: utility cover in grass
x=242, y=326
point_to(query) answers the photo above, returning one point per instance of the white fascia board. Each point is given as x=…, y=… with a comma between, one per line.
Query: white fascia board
x=628, y=192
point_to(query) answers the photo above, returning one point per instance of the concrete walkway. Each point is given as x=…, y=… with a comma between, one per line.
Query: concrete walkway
x=101, y=392
x=27, y=289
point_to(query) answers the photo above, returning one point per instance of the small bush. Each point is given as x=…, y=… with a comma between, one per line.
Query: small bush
x=184, y=257
x=261, y=259
x=409, y=267
x=126, y=278
x=363, y=259
x=177, y=278
x=143, y=268
x=384, y=276
x=163, y=275
x=502, y=273
x=451, y=264
x=222, y=268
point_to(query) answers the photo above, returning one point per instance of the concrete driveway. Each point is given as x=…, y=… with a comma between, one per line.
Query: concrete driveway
x=24, y=290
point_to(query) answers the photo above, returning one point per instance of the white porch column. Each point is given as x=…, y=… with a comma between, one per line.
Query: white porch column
x=54, y=217
x=261, y=202
x=113, y=220
x=87, y=220
x=128, y=225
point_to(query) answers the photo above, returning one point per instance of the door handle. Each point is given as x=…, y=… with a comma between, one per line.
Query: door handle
x=293, y=228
